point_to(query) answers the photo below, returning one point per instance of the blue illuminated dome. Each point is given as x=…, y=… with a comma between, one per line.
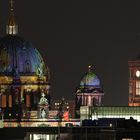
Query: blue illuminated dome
x=90, y=79
x=19, y=56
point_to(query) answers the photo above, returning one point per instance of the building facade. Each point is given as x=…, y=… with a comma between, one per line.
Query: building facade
x=90, y=92
x=68, y=105
x=134, y=83
x=24, y=77
x=95, y=113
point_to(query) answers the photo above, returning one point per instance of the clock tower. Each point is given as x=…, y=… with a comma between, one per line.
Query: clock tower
x=134, y=83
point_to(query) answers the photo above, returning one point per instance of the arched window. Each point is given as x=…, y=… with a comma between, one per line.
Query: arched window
x=27, y=67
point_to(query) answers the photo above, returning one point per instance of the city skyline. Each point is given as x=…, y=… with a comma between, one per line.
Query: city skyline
x=71, y=36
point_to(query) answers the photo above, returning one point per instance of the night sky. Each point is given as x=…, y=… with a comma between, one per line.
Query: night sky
x=70, y=35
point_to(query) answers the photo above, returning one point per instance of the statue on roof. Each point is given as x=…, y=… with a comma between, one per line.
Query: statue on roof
x=43, y=100
x=43, y=106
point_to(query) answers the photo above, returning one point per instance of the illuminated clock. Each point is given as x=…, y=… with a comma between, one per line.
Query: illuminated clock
x=137, y=73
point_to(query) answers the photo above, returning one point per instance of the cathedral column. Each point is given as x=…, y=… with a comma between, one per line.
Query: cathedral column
x=78, y=101
x=22, y=93
x=0, y=99
x=27, y=100
x=86, y=100
x=99, y=100
x=92, y=100
x=87, y=104
x=3, y=101
x=10, y=101
x=89, y=100
x=82, y=99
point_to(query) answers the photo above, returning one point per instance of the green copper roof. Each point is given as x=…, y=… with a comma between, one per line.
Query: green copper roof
x=90, y=79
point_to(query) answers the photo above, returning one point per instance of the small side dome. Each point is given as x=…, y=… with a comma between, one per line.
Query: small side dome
x=90, y=79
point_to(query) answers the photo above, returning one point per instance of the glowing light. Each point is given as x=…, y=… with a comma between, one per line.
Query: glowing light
x=138, y=73
x=66, y=115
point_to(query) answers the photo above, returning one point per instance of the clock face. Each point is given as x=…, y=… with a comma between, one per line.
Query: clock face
x=137, y=73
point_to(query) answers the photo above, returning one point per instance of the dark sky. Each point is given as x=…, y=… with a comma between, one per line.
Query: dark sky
x=70, y=35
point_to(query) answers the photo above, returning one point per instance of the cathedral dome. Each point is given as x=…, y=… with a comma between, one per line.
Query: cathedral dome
x=90, y=79
x=19, y=56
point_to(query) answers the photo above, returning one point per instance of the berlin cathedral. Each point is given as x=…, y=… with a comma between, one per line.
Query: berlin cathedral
x=24, y=78
x=25, y=84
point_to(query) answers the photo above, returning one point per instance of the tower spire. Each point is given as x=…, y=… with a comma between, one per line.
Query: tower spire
x=11, y=28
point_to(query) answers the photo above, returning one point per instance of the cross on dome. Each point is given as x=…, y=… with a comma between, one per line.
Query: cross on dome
x=89, y=68
x=43, y=95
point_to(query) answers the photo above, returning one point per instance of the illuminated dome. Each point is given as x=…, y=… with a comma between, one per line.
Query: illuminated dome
x=90, y=79
x=89, y=93
x=19, y=56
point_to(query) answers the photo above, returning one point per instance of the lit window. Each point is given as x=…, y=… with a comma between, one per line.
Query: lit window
x=56, y=104
x=137, y=87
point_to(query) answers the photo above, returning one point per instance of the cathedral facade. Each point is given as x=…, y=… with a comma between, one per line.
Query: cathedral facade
x=24, y=77
x=25, y=84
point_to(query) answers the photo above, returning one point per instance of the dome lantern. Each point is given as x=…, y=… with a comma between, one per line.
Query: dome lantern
x=11, y=27
x=89, y=68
